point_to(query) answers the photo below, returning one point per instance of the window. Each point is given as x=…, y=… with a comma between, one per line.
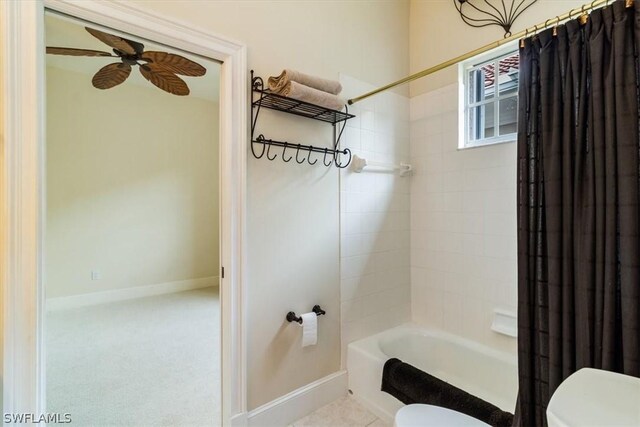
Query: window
x=490, y=99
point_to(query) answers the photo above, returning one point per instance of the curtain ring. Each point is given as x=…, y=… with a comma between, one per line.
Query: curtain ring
x=555, y=27
x=526, y=33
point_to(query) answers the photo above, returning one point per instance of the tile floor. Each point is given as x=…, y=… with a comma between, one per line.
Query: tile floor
x=345, y=412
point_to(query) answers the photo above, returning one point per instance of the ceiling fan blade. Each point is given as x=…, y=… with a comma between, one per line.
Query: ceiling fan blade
x=175, y=63
x=111, y=75
x=164, y=79
x=115, y=42
x=52, y=50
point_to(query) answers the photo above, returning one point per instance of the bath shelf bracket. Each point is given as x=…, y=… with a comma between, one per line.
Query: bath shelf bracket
x=263, y=98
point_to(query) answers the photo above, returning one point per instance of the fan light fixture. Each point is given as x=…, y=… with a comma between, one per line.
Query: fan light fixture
x=482, y=13
x=160, y=68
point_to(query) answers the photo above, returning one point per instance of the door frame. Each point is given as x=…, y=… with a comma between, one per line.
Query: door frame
x=22, y=187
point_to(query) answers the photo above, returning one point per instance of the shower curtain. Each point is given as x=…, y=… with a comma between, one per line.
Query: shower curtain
x=578, y=204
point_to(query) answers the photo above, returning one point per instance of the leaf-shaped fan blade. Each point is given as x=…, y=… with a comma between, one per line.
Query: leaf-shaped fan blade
x=111, y=75
x=75, y=52
x=175, y=63
x=114, y=41
x=164, y=79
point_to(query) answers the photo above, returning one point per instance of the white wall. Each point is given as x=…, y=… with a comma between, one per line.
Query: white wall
x=463, y=202
x=374, y=207
x=132, y=186
x=293, y=210
x=439, y=34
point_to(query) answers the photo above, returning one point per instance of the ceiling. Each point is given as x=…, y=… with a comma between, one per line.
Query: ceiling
x=66, y=32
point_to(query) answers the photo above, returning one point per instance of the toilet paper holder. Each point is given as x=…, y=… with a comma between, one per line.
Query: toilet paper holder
x=292, y=317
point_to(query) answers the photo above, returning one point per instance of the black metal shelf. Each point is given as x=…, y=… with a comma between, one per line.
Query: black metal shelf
x=273, y=101
x=299, y=108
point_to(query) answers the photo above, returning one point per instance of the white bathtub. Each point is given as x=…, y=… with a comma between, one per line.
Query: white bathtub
x=479, y=370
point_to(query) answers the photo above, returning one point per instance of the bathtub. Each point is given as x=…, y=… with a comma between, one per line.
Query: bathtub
x=489, y=374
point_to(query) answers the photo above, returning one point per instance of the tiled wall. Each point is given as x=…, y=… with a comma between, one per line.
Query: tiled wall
x=463, y=224
x=374, y=209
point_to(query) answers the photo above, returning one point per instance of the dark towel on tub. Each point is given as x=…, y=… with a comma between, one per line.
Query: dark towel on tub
x=411, y=385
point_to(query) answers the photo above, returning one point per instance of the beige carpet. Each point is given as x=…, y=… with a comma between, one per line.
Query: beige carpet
x=145, y=362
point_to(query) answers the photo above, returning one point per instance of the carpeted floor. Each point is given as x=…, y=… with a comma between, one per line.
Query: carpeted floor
x=146, y=362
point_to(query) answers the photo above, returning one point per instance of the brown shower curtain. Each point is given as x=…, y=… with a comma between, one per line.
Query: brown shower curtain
x=578, y=204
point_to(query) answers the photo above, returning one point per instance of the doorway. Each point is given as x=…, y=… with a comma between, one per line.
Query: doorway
x=22, y=249
x=132, y=324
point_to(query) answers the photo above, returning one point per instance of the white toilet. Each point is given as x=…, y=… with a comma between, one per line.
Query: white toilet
x=419, y=415
x=592, y=397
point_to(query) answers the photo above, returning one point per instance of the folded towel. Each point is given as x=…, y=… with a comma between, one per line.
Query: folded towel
x=411, y=385
x=304, y=93
x=278, y=83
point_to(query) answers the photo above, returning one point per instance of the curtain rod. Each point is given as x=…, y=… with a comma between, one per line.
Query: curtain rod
x=524, y=33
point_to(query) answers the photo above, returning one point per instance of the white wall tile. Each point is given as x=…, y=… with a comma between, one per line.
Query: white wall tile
x=463, y=224
x=376, y=221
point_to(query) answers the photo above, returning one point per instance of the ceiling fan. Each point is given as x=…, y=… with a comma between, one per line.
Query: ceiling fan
x=160, y=68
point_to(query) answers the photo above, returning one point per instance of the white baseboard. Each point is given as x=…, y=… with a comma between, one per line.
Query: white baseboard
x=94, y=298
x=286, y=409
x=239, y=420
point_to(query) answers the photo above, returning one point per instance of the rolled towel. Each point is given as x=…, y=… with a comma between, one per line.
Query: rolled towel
x=409, y=385
x=304, y=93
x=278, y=83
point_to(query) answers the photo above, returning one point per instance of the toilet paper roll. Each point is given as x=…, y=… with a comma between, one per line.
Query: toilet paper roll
x=309, y=329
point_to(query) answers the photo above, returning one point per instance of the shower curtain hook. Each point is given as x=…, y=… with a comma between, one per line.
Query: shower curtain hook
x=297, y=152
x=284, y=150
x=522, y=40
x=584, y=17
x=309, y=156
x=555, y=28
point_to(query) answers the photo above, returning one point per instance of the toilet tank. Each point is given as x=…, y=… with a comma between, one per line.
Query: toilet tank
x=592, y=397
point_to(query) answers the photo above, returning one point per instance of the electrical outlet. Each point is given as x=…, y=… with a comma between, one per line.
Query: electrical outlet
x=95, y=275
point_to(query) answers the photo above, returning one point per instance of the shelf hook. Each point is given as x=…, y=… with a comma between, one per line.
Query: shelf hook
x=336, y=156
x=260, y=140
x=268, y=151
x=286, y=144
x=297, y=152
x=309, y=156
x=324, y=159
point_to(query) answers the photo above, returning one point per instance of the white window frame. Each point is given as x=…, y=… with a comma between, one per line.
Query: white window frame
x=464, y=69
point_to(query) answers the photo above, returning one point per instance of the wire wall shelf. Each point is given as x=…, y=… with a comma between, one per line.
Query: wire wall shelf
x=263, y=98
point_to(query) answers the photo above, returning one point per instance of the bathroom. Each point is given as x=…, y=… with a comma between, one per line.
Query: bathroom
x=416, y=254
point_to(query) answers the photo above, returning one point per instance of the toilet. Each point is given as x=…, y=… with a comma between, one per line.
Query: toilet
x=419, y=415
x=597, y=398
